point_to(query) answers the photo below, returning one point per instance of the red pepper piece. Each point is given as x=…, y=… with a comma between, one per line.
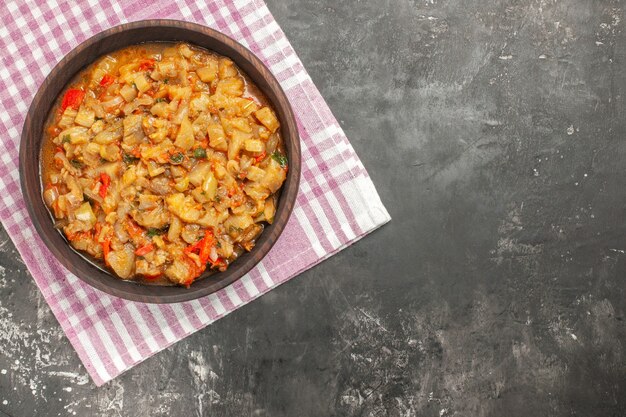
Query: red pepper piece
x=144, y=250
x=195, y=247
x=133, y=229
x=203, y=246
x=106, y=181
x=207, y=243
x=261, y=157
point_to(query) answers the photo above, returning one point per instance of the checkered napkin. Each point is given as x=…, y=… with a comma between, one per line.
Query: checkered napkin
x=337, y=203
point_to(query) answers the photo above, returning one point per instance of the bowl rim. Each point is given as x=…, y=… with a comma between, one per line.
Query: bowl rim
x=86, y=270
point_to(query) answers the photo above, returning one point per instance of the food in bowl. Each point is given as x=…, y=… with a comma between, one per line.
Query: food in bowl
x=162, y=160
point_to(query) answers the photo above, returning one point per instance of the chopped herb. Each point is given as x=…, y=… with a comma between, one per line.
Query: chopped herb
x=157, y=232
x=199, y=153
x=280, y=158
x=129, y=159
x=159, y=100
x=66, y=139
x=166, y=81
x=217, y=199
x=103, y=161
x=76, y=163
x=218, y=244
x=177, y=158
x=234, y=229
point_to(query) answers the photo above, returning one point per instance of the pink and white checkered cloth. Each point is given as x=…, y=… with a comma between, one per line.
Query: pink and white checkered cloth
x=337, y=203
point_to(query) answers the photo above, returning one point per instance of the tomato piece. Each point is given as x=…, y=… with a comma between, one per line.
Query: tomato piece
x=107, y=80
x=106, y=180
x=54, y=131
x=194, y=271
x=146, y=64
x=72, y=99
x=106, y=249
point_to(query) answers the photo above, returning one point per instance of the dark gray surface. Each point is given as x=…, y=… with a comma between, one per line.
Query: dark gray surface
x=494, y=131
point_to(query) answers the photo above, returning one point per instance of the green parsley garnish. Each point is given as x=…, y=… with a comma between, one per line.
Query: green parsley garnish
x=233, y=229
x=177, y=158
x=76, y=163
x=199, y=153
x=166, y=81
x=157, y=232
x=159, y=100
x=66, y=139
x=280, y=158
x=128, y=158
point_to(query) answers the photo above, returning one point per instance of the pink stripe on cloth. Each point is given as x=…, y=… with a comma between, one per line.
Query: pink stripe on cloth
x=336, y=206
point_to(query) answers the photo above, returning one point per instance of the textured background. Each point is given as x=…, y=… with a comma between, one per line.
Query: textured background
x=494, y=131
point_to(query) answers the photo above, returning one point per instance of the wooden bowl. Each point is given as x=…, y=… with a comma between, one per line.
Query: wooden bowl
x=32, y=137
